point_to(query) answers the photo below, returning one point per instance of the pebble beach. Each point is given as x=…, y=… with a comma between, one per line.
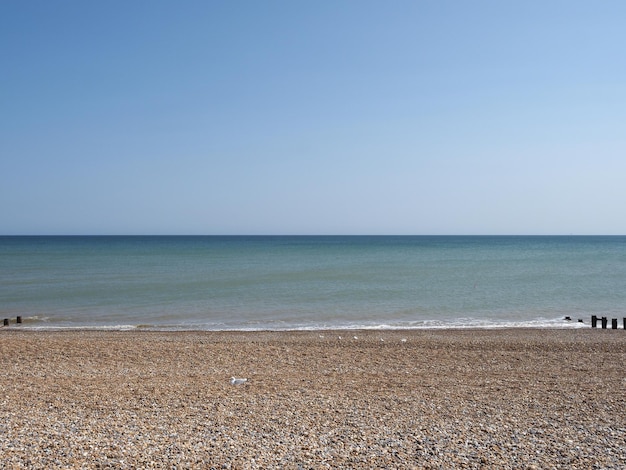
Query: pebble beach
x=503, y=398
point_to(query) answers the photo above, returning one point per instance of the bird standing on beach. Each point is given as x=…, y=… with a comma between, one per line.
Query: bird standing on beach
x=236, y=381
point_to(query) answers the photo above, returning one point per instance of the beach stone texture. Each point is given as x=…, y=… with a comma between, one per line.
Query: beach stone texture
x=513, y=398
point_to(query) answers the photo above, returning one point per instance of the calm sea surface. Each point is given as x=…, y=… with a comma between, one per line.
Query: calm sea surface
x=292, y=282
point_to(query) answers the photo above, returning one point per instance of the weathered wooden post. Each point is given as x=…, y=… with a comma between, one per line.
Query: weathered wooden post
x=624, y=322
x=614, y=323
x=594, y=321
x=18, y=319
x=6, y=322
x=604, y=322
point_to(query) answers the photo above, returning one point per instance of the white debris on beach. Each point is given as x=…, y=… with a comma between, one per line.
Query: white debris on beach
x=237, y=381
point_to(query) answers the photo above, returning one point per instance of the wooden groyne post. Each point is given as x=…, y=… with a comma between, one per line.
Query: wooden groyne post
x=6, y=321
x=604, y=320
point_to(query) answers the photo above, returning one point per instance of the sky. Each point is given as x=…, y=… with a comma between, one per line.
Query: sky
x=312, y=117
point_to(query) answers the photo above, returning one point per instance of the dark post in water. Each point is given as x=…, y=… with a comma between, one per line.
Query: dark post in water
x=614, y=323
x=594, y=321
x=6, y=322
x=18, y=320
x=604, y=322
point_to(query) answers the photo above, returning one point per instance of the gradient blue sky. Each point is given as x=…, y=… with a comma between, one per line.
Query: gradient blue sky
x=317, y=117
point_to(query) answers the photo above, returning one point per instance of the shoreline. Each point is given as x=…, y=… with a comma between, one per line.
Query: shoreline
x=26, y=324
x=416, y=398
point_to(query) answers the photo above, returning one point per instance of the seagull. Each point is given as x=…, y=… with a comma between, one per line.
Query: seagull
x=236, y=381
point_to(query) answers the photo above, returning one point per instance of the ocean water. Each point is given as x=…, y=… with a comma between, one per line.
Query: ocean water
x=310, y=282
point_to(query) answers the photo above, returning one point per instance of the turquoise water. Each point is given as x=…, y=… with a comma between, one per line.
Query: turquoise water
x=285, y=282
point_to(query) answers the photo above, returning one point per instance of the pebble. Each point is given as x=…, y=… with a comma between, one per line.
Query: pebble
x=456, y=399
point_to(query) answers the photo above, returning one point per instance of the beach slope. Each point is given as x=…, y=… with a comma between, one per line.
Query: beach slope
x=513, y=398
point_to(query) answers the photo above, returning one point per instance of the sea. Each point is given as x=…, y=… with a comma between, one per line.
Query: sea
x=310, y=282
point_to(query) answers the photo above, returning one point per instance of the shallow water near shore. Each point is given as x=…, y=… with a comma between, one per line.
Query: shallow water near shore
x=310, y=282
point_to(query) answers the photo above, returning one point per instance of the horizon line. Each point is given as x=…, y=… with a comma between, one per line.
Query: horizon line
x=303, y=235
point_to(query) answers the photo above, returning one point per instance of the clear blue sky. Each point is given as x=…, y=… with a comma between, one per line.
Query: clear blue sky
x=312, y=117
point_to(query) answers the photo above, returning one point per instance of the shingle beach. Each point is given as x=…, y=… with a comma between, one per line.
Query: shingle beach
x=512, y=398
